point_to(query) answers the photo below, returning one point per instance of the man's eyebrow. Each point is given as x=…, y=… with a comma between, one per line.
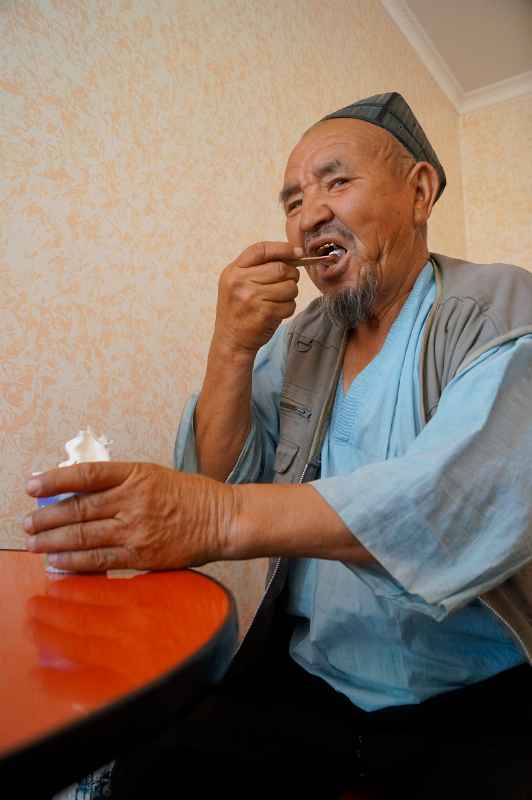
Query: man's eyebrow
x=287, y=191
x=328, y=168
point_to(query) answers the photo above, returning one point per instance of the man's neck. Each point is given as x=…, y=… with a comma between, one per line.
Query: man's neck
x=366, y=340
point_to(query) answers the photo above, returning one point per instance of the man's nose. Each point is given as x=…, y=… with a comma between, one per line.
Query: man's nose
x=314, y=212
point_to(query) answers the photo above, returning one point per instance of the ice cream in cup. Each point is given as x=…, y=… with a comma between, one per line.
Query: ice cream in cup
x=82, y=448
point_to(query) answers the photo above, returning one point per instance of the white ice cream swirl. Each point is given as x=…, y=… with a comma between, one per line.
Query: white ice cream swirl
x=86, y=447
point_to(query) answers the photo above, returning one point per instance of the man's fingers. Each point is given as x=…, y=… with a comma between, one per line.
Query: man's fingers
x=280, y=292
x=98, y=560
x=80, y=508
x=90, y=477
x=264, y=252
x=272, y=272
x=81, y=536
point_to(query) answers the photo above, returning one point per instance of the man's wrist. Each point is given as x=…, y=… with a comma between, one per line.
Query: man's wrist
x=287, y=520
x=227, y=352
x=255, y=529
x=228, y=522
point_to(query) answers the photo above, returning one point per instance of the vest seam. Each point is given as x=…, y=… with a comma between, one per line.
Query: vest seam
x=512, y=335
x=482, y=311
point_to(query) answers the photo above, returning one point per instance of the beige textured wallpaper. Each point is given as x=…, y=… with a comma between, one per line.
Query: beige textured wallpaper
x=497, y=177
x=142, y=147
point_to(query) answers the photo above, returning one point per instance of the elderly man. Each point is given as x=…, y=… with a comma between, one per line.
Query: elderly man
x=377, y=448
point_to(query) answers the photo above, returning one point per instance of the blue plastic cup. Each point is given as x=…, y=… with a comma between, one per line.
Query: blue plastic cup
x=42, y=502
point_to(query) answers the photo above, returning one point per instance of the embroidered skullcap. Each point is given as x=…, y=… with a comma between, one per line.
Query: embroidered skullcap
x=391, y=112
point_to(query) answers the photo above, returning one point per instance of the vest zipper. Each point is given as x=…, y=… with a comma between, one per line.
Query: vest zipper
x=290, y=405
x=314, y=454
x=306, y=413
x=313, y=461
x=275, y=570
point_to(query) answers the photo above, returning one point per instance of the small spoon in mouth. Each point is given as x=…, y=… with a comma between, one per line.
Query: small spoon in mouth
x=334, y=254
x=305, y=262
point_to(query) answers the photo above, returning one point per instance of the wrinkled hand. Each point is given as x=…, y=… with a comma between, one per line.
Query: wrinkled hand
x=255, y=293
x=129, y=516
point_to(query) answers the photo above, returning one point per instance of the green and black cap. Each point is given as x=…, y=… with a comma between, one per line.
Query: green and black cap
x=391, y=112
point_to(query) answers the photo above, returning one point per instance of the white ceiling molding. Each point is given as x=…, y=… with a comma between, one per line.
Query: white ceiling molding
x=409, y=25
x=497, y=92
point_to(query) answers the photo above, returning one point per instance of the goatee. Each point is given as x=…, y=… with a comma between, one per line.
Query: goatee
x=350, y=306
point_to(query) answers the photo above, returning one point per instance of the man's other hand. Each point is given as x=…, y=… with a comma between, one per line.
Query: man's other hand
x=128, y=516
x=256, y=293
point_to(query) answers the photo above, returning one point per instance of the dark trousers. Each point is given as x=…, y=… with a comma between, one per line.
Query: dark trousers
x=275, y=731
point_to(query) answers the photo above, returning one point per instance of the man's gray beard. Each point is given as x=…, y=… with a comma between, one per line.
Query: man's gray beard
x=350, y=306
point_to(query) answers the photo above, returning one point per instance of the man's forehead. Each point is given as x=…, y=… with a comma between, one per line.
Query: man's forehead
x=335, y=137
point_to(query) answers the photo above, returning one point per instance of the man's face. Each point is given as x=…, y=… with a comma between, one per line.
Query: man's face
x=346, y=184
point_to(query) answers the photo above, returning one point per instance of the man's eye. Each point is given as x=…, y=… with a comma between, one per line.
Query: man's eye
x=292, y=205
x=337, y=182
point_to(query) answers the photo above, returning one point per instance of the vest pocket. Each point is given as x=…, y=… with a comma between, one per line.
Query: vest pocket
x=291, y=406
x=284, y=455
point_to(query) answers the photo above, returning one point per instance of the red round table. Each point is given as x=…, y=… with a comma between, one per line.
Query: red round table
x=90, y=663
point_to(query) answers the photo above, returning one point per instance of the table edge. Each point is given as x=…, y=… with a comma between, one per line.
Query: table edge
x=221, y=646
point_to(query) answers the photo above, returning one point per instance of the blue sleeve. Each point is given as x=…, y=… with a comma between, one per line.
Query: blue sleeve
x=452, y=517
x=255, y=462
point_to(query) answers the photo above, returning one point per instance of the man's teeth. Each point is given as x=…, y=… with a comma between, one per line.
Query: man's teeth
x=331, y=249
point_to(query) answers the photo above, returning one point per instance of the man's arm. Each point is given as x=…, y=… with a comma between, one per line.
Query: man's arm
x=449, y=519
x=290, y=521
x=452, y=517
x=144, y=516
x=222, y=418
x=256, y=292
x=254, y=462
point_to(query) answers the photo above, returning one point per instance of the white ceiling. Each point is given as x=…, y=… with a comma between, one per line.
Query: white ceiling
x=479, y=51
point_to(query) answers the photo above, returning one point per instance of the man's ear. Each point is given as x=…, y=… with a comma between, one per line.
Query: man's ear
x=425, y=181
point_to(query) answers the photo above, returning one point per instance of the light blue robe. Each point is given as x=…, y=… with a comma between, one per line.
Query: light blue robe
x=446, y=510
